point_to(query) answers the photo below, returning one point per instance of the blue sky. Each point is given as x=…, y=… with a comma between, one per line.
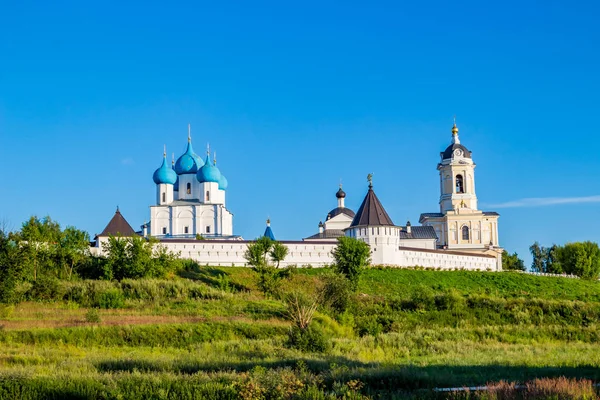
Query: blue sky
x=295, y=97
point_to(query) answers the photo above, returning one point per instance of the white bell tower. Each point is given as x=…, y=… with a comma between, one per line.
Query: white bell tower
x=460, y=225
x=457, y=177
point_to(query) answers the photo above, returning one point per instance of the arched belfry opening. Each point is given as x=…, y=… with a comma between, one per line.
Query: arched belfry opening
x=460, y=184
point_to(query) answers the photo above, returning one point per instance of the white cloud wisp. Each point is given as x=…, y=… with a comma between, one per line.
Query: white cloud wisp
x=546, y=201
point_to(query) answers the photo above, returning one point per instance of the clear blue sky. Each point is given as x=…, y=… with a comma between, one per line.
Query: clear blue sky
x=295, y=97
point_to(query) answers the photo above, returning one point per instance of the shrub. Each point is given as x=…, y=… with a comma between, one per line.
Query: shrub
x=112, y=298
x=311, y=339
x=93, y=316
x=336, y=292
x=451, y=300
x=46, y=288
x=422, y=299
x=368, y=325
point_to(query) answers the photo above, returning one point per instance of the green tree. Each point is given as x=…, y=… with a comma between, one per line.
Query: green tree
x=73, y=248
x=539, y=259
x=545, y=259
x=11, y=266
x=261, y=254
x=278, y=253
x=136, y=257
x=351, y=256
x=39, y=239
x=580, y=258
x=512, y=262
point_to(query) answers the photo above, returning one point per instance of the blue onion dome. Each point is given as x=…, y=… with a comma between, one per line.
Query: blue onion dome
x=189, y=162
x=164, y=174
x=223, y=182
x=208, y=173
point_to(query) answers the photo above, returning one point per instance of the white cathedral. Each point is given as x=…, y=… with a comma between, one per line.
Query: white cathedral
x=190, y=217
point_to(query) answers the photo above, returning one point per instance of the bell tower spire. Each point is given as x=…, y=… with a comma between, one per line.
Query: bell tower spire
x=455, y=139
x=457, y=176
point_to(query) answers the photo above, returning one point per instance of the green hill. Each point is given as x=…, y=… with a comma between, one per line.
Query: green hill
x=212, y=334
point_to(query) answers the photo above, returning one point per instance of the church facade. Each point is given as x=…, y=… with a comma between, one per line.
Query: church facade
x=190, y=217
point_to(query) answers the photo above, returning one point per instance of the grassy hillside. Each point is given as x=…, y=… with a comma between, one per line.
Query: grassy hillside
x=212, y=334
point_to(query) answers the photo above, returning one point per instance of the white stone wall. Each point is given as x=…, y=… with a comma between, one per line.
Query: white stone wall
x=386, y=244
x=318, y=254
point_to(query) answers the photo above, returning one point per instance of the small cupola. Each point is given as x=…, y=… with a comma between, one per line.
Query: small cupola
x=209, y=172
x=164, y=174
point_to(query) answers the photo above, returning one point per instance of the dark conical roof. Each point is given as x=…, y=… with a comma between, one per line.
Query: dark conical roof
x=118, y=225
x=371, y=212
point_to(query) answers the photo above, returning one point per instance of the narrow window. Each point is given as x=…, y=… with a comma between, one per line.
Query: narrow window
x=459, y=184
x=186, y=230
x=207, y=195
x=164, y=197
x=189, y=188
x=164, y=231
x=208, y=229
x=465, y=232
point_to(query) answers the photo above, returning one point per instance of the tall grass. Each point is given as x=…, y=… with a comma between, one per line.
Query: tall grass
x=111, y=294
x=168, y=335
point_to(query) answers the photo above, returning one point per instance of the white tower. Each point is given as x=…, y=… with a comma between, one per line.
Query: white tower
x=457, y=176
x=460, y=225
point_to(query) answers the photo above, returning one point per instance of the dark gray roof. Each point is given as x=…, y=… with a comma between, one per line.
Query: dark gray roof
x=118, y=225
x=418, y=232
x=327, y=234
x=491, y=213
x=371, y=212
x=340, y=210
x=449, y=152
x=431, y=215
x=340, y=194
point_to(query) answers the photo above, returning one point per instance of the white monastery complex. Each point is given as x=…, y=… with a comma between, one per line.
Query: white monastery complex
x=190, y=217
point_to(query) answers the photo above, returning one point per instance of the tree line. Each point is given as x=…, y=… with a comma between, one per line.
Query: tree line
x=35, y=257
x=581, y=259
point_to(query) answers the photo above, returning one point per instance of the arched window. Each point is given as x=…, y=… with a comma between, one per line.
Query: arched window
x=207, y=195
x=164, y=197
x=460, y=187
x=465, y=232
x=189, y=188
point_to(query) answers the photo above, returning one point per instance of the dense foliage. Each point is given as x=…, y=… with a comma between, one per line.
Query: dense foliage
x=512, y=262
x=579, y=258
x=264, y=256
x=34, y=259
x=351, y=257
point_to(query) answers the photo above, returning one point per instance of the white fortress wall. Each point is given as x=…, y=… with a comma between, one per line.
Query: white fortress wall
x=318, y=254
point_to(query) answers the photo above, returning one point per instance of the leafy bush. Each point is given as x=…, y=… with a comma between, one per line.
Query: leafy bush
x=450, y=300
x=311, y=339
x=422, y=298
x=46, y=288
x=336, y=292
x=112, y=298
x=93, y=316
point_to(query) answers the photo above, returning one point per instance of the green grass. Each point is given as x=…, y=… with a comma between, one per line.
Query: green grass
x=406, y=332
